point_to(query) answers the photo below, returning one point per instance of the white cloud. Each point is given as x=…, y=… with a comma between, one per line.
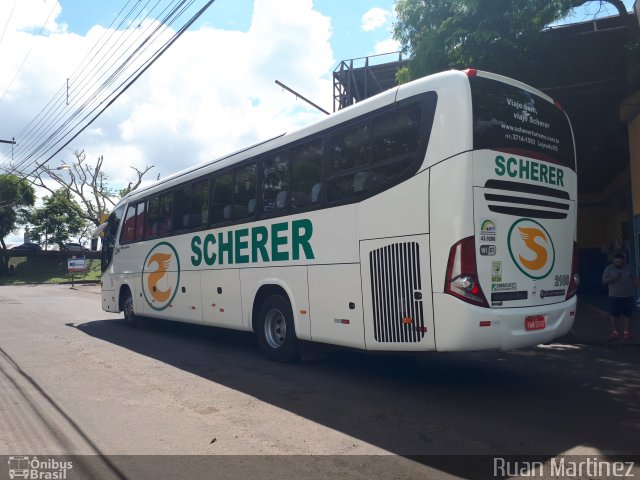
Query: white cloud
x=211, y=93
x=387, y=46
x=375, y=18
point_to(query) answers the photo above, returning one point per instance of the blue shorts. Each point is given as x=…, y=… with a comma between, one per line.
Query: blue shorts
x=620, y=305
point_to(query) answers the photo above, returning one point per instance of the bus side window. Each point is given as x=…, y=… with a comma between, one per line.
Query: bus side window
x=275, y=182
x=153, y=218
x=349, y=150
x=396, y=137
x=181, y=207
x=306, y=174
x=396, y=134
x=244, y=190
x=165, y=213
x=128, y=232
x=139, y=221
x=222, y=197
x=200, y=204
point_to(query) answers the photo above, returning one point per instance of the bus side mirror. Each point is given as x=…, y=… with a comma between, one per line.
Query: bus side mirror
x=94, y=244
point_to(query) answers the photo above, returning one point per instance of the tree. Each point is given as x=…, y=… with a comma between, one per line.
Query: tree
x=488, y=34
x=16, y=195
x=89, y=184
x=59, y=218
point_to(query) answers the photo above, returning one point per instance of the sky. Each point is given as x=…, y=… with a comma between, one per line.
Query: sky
x=213, y=92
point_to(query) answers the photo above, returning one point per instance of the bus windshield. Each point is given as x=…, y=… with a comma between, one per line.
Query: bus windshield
x=509, y=119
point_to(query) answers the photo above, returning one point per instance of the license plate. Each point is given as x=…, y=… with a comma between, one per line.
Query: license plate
x=535, y=322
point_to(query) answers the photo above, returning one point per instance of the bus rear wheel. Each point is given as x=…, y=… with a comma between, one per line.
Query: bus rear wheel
x=130, y=316
x=275, y=329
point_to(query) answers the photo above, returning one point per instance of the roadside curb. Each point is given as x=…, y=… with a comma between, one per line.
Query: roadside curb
x=33, y=284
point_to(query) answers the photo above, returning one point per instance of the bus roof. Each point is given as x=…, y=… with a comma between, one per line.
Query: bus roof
x=430, y=83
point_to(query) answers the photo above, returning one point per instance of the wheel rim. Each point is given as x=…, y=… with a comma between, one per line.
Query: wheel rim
x=275, y=328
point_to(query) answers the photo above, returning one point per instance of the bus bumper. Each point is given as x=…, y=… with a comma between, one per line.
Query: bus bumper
x=459, y=326
x=109, y=301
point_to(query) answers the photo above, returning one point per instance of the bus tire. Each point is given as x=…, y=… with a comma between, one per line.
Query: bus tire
x=130, y=316
x=275, y=329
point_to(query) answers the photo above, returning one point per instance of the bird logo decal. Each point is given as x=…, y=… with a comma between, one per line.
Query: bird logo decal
x=529, y=236
x=531, y=248
x=162, y=260
x=161, y=276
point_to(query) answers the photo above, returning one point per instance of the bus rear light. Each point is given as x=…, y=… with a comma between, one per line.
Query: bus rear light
x=471, y=72
x=485, y=323
x=574, y=280
x=558, y=105
x=462, y=273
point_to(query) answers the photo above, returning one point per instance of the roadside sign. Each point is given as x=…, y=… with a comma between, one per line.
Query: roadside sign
x=76, y=264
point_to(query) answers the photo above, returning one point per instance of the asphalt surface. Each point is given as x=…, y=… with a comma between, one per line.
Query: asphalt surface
x=76, y=380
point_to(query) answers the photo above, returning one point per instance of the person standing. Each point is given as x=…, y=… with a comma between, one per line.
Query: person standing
x=622, y=285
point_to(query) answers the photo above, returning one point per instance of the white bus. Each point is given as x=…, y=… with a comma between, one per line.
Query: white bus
x=437, y=216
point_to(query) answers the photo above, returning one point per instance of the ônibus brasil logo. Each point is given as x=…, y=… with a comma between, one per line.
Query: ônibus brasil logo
x=161, y=276
x=531, y=248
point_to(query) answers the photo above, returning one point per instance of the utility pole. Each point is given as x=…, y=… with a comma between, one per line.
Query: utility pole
x=12, y=142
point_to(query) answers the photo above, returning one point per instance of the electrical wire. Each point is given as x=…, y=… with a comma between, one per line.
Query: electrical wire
x=42, y=135
x=75, y=113
x=8, y=20
x=56, y=111
x=24, y=60
x=80, y=66
x=166, y=21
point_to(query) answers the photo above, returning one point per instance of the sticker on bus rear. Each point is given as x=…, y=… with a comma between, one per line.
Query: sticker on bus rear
x=531, y=248
x=488, y=231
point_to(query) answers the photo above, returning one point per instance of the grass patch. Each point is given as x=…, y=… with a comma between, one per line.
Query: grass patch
x=47, y=269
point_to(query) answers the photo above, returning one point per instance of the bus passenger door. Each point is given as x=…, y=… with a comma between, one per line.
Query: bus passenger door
x=396, y=293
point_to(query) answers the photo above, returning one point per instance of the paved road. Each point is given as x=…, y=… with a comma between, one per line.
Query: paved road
x=75, y=380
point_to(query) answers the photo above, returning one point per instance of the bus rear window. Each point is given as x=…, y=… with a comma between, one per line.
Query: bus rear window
x=512, y=120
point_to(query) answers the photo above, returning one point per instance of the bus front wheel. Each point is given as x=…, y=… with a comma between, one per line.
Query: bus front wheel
x=275, y=329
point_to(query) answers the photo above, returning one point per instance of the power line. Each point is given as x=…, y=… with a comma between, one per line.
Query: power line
x=86, y=104
x=77, y=69
x=8, y=20
x=53, y=129
x=28, y=53
x=46, y=144
x=39, y=131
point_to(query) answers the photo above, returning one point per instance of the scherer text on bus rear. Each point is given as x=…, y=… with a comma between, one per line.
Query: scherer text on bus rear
x=278, y=242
